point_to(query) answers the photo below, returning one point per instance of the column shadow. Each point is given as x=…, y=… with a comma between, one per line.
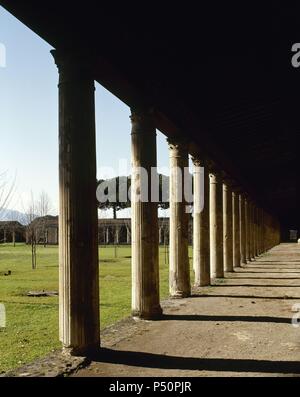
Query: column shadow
x=257, y=285
x=244, y=296
x=246, y=271
x=159, y=361
x=261, y=278
x=203, y=317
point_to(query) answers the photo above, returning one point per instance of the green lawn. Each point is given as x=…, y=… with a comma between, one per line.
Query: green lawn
x=32, y=323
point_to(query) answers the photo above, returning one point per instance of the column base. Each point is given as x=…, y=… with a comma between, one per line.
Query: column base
x=219, y=275
x=84, y=351
x=180, y=295
x=155, y=314
x=202, y=284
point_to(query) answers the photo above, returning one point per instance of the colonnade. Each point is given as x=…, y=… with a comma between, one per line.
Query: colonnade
x=229, y=228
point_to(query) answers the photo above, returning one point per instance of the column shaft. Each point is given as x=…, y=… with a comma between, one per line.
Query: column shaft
x=247, y=230
x=179, y=280
x=236, y=230
x=78, y=220
x=201, y=254
x=216, y=226
x=144, y=221
x=227, y=228
x=242, y=228
x=255, y=231
x=252, y=232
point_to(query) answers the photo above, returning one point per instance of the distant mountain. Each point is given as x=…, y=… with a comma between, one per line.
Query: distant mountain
x=12, y=215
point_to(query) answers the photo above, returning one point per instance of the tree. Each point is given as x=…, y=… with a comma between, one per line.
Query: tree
x=43, y=209
x=113, y=193
x=31, y=231
x=6, y=192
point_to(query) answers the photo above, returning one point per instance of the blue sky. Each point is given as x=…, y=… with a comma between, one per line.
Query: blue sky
x=29, y=117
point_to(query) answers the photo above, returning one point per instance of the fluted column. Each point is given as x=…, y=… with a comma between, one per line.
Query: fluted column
x=128, y=235
x=216, y=225
x=263, y=232
x=144, y=221
x=78, y=223
x=236, y=230
x=252, y=231
x=242, y=228
x=247, y=220
x=259, y=231
x=227, y=227
x=179, y=281
x=201, y=254
x=255, y=231
x=160, y=235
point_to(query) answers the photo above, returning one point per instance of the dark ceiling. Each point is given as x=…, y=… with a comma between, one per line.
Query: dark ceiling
x=220, y=74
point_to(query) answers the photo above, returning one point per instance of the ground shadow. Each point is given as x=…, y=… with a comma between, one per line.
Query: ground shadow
x=243, y=296
x=279, y=262
x=267, y=269
x=257, y=285
x=246, y=271
x=203, y=317
x=151, y=360
x=261, y=278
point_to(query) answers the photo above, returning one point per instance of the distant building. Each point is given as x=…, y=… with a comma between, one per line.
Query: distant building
x=12, y=232
x=110, y=231
x=45, y=228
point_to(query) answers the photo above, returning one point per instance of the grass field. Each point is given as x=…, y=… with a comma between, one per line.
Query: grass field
x=32, y=322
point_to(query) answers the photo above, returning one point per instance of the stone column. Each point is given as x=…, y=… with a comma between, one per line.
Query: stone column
x=201, y=252
x=56, y=235
x=263, y=231
x=216, y=225
x=160, y=235
x=242, y=228
x=252, y=232
x=179, y=282
x=127, y=235
x=255, y=231
x=107, y=236
x=117, y=235
x=236, y=230
x=78, y=219
x=248, y=238
x=227, y=227
x=144, y=221
x=258, y=232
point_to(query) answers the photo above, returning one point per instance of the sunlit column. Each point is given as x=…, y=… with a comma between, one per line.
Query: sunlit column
x=179, y=278
x=144, y=221
x=216, y=225
x=227, y=227
x=201, y=254
x=236, y=229
x=78, y=219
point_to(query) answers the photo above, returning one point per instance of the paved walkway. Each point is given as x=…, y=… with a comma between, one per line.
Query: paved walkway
x=241, y=326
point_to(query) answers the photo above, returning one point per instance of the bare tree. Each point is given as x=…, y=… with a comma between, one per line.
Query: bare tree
x=31, y=231
x=7, y=190
x=43, y=209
